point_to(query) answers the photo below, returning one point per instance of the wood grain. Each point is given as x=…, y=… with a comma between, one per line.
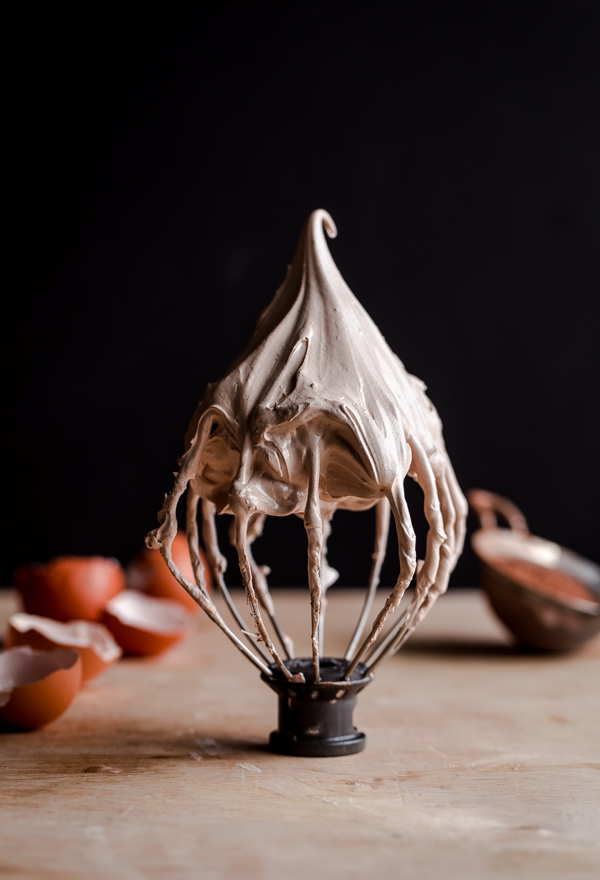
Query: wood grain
x=480, y=762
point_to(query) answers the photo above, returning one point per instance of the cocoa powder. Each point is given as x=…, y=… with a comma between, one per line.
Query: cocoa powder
x=545, y=580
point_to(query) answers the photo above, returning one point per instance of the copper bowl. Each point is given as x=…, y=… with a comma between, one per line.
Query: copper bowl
x=547, y=596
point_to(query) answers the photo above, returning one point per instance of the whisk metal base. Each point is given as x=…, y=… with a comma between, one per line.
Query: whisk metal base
x=315, y=720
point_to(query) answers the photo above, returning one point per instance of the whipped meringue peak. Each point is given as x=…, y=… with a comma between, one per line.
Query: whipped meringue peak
x=316, y=414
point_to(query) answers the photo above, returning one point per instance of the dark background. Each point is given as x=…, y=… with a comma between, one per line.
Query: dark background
x=161, y=167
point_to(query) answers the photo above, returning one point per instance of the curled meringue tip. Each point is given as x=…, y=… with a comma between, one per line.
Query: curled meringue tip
x=321, y=220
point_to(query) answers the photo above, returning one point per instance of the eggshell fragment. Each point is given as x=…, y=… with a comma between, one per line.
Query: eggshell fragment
x=37, y=686
x=70, y=587
x=146, y=625
x=148, y=572
x=94, y=642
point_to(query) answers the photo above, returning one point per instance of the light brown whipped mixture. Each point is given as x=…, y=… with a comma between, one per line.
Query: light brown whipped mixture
x=316, y=414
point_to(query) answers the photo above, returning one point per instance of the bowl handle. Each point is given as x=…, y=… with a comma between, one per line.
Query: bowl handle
x=489, y=506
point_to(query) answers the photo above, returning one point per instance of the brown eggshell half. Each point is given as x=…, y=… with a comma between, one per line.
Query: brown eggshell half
x=94, y=642
x=37, y=686
x=70, y=587
x=144, y=624
x=148, y=572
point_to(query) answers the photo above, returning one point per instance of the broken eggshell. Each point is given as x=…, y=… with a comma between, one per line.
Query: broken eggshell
x=144, y=624
x=148, y=573
x=70, y=587
x=94, y=642
x=36, y=687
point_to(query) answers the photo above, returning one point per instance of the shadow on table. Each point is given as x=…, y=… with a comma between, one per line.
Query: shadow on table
x=64, y=749
x=456, y=647
x=147, y=744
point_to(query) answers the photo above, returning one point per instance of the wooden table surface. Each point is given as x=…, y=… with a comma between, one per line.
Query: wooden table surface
x=480, y=762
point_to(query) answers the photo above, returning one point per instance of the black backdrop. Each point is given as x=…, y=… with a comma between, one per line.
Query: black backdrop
x=161, y=168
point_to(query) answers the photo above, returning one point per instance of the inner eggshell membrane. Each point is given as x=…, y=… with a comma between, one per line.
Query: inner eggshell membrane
x=146, y=613
x=76, y=634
